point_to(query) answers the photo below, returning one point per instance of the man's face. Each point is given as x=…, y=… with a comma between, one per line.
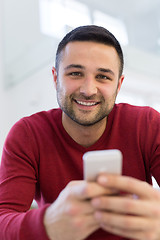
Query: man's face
x=88, y=81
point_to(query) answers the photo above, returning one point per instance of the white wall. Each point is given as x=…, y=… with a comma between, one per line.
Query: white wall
x=33, y=94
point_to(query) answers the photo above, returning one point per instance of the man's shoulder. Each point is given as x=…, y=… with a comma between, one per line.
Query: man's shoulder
x=38, y=120
x=51, y=114
x=125, y=107
x=133, y=113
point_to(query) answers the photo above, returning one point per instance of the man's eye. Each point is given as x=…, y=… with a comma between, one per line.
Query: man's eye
x=101, y=76
x=77, y=74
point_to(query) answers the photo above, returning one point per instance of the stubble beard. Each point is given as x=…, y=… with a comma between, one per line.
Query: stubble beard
x=83, y=117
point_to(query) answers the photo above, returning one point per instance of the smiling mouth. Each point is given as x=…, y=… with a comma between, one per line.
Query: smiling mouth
x=83, y=103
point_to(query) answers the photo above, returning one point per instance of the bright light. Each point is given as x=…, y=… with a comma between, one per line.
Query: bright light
x=51, y=20
x=56, y=18
x=76, y=14
x=114, y=25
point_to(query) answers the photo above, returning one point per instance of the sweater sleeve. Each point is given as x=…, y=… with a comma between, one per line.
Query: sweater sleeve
x=152, y=143
x=18, y=179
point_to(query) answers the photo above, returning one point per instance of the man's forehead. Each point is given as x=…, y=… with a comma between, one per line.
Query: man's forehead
x=74, y=44
x=87, y=49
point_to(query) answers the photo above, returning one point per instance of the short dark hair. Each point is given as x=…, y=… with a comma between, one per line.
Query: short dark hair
x=91, y=33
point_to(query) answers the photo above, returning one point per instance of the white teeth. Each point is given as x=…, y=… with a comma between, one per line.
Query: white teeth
x=87, y=103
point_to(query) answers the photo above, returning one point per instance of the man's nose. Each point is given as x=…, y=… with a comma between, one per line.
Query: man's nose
x=88, y=87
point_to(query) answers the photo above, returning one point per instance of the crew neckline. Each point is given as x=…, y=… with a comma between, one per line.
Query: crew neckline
x=97, y=145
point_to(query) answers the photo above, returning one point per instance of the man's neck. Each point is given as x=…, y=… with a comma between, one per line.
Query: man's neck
x=84, y=135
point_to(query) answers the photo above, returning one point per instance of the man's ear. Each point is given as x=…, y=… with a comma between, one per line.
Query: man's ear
x=120, y=81
x=54, y=73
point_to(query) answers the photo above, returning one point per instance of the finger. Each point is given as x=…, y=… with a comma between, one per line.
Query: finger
x=136, y=235
x=129, y=185
x=86, y=190
x=76, y=208
x=127, y=205
x=126, y=222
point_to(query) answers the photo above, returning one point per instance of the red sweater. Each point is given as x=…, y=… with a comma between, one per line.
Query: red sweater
x=39, y=158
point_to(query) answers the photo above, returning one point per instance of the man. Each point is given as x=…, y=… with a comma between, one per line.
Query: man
x=42, y=156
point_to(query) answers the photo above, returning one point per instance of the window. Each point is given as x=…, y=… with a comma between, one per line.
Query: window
x=57, y=17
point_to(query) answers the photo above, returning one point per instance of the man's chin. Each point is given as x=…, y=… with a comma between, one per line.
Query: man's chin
x=87, y=122
x=85, y=118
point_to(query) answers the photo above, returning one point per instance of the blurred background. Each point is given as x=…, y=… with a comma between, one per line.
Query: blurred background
x=31, y=29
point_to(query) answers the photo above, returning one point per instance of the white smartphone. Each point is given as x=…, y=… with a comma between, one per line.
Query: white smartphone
x=102, y=161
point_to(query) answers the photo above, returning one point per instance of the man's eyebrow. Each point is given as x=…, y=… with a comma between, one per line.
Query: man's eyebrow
x=106, y=70
x=74, y=66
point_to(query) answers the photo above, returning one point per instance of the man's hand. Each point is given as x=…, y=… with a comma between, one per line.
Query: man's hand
x=71, y=216
x=134, y=214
